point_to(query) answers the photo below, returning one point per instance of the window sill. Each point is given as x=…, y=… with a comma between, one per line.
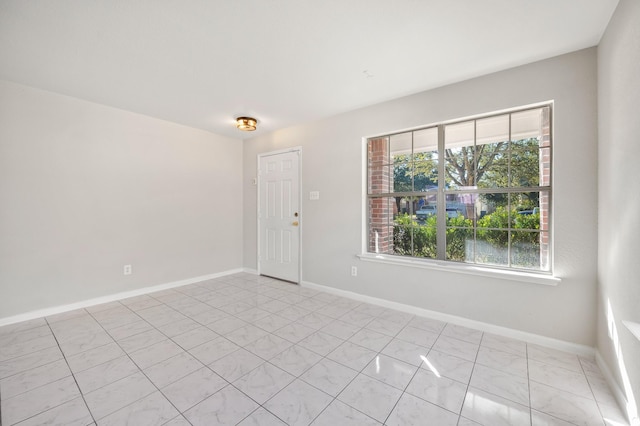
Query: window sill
x=463, y=269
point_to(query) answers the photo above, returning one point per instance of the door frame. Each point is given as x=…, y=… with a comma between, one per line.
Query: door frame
x=259, y=157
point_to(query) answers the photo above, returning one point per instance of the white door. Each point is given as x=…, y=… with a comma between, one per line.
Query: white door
x=279, y=215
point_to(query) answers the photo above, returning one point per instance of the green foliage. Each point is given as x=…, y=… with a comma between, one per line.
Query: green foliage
x=423, y=236
x=498, y=219
x=525, y=246
x=459, y=230
x=411, y=238
x=503, y=237
x=416, y=175
x=457, y=237
x=526, y=221
x=402, y=176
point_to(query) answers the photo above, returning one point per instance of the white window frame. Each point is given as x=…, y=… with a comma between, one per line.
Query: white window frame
x=486, y=270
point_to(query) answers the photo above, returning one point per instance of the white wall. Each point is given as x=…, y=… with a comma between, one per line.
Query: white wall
x=331, y=226
x=619, y=194
x=86, y=189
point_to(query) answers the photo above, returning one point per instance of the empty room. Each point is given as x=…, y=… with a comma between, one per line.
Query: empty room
x=319, y=213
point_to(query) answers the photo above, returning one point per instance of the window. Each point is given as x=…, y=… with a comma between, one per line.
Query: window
x=474, y=191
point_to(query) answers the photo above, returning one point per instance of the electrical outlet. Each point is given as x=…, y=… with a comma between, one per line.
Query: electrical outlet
x=354, y=271
x=128, y=270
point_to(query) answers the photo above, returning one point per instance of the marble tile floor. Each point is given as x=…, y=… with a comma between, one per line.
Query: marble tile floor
x=249, y=350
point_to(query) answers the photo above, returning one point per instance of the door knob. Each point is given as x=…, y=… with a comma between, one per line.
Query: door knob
x=295, y=223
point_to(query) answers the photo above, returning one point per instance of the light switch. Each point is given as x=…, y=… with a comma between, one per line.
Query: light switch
x=314, y=195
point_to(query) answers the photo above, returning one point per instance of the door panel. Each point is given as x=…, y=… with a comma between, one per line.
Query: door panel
x=279, y=216
x=270, y=245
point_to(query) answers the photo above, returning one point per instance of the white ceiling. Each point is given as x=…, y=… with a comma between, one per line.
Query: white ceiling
x=203, y=62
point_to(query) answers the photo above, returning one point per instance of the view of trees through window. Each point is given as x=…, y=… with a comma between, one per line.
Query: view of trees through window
x=475, y=191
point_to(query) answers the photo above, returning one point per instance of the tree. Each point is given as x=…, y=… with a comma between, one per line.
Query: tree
x=402, y=174
x=423, y=169
x=523, y=167
x=493, y=165
x=467, y=166
x=411, y=176
x=496, y=165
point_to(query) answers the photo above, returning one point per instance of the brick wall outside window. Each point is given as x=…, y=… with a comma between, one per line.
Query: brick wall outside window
x=545, y=179
x=380, y=209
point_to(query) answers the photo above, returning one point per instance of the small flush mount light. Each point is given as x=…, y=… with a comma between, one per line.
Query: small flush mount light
x=246, y=124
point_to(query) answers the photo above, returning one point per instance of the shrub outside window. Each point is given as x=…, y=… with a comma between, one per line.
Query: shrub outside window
x=475, y=191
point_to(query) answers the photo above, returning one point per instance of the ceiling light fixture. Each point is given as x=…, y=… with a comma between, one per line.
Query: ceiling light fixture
x=246, y=124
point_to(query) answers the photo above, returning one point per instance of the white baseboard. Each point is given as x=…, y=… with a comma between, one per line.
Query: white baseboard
x=491, y=328
x=618, y=393
x=465, y=322
x=112, y=297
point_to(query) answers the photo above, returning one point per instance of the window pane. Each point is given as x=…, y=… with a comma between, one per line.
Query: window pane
x=545, y=210
x=379, y=180
x=381, y=213
x=425, y=239
x=457, y=215
x=402, y=206
x=426, y=209
x=492, y=247
x=460, y=167
x=492, y=130
x=382, y=210
x=492, y=142
x=381, y=239
x=525, y=250
x=545, y=251
x=401, y=144
x=425, y=231
x=426, y=227
x=415, y=228
x=460, y=216
x=400, y=158
x=525, y=210
x=467, y=205
x=525, y=163
x=527, y=124
x=459, y=134
x=527, y=143
x=545, y=167
x=378, y=151
x=402, y=237
x=460, y=160
x=492, y=211
x=425, y=140
x=459, y=244
x=525, y=168
x=425, y=172
x=493, y=165
x=545, y=117
x=402, y=178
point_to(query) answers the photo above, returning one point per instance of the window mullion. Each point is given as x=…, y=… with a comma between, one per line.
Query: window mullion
x=509, y=185
x=441, y=233
x=413, y=187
